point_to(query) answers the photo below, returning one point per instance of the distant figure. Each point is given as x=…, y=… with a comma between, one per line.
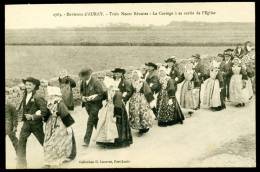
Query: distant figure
x=59, y=142
x=226, y=69
x=140, y=114
x=11, y=119
x=249, y=61
x=212, y=89
x=34, y=109
x=169, y=111
x=66, y=85
x=199, y=68
x=189, y=99
x=239, y=52
x=92, y=94
x=237, y=89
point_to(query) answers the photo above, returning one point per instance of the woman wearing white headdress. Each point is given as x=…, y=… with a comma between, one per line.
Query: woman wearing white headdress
x=106, y=128
x=211, y=94
x=189, y=80
x=169, y=111
x=59, y=142
x=141, y=116
x=238, y=84
x=113, y=128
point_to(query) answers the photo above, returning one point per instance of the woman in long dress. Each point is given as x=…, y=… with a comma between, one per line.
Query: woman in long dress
x=169, y=111
x=118, y=111
x=141, y=116
x=238, y=84
x=106, y=128
x=211, y=94
x=66, y=85
x=189, y=80
x=59, y=142
x=248, y=63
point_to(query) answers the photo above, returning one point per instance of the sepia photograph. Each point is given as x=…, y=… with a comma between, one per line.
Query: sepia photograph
x=130, y=85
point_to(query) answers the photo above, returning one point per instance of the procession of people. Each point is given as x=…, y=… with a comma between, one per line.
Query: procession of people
x=118, y=106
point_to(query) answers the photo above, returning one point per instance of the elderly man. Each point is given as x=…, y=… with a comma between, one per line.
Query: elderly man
x=34, y=109
x=92, y=94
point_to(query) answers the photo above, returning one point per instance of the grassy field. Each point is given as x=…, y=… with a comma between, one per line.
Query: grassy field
x=31, y=52
x=183, y=33
x=46, y=61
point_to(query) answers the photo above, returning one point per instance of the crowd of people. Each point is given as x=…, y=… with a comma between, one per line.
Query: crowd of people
x=116, y=106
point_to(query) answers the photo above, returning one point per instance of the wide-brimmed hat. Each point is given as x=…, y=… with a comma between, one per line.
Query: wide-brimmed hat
x=197, y=56
x=35, y=81
x=228, y=51
x=171, y=59
x=119, y=70
x=85, y=71
x=151, y=64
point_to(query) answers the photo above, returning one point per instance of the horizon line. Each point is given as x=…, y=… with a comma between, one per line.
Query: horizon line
x=110, y=25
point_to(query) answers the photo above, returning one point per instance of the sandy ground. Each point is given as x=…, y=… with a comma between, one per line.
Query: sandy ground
x=207, y=139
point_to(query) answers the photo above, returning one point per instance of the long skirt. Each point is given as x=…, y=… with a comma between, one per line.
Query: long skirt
x=124, y=131
x=168, y=114
x=238, y=94
x=187, y=96
x=106, y=128
x=59, y=142
x=140, y=114
x=211, y=93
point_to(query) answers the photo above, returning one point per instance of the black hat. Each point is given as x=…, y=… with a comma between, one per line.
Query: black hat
x=171, y=59
x=36, y=82
x=151, y=64
x=118, y=70
x=197, y=56
x=85, y=71
x=229, y=50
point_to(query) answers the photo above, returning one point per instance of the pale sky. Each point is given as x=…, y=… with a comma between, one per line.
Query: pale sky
x=42, y=16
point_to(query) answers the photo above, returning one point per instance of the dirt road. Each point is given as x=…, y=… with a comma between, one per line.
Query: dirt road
x=207, y=139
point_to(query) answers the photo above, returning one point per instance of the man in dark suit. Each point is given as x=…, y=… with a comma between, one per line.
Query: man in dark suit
x=34, y=109
x=152, y=79
x=92, y=94
x=123, y=84
x=199, y=68
x=226, y=69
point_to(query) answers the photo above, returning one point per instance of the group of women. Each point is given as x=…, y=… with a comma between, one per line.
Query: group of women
x=153, y=93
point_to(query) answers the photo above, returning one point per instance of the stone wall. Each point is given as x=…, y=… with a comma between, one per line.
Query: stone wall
x=15, y=93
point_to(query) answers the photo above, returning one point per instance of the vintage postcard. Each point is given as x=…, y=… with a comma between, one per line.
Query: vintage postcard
x=130, y=85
